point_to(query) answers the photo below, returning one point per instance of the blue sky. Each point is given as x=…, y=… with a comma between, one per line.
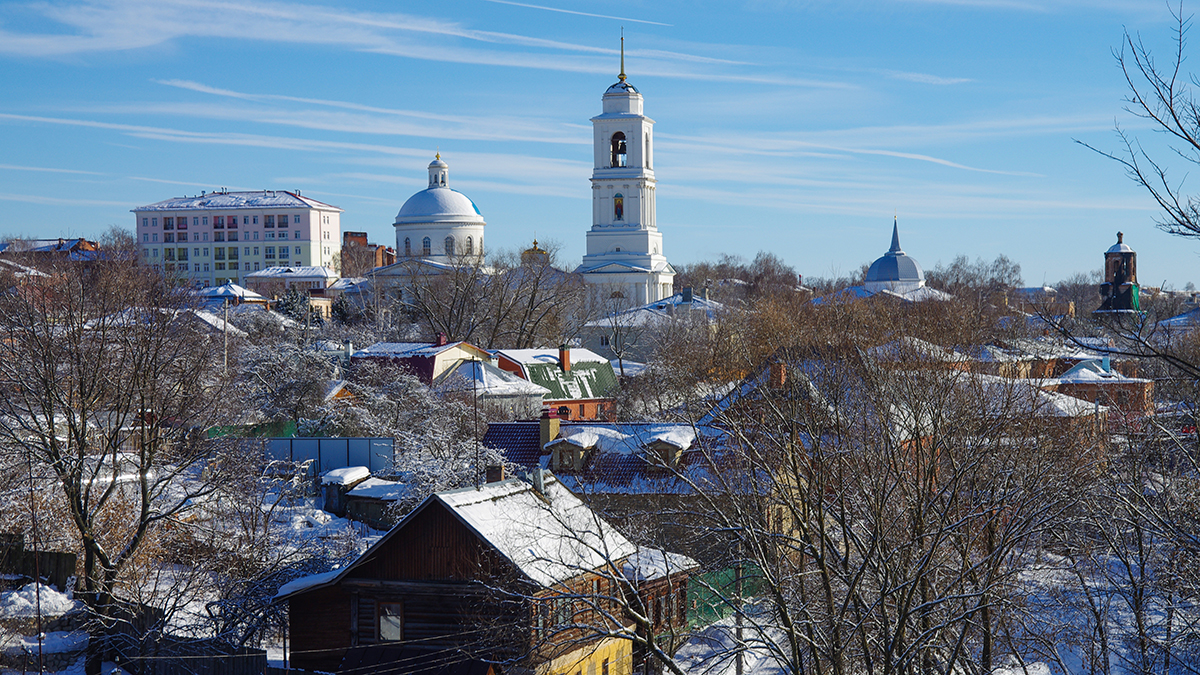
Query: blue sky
x=798, y=128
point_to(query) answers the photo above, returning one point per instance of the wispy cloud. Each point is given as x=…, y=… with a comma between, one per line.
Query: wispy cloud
x=35, y=199
x=922, y=78
x=569, y=11
x=13, y=167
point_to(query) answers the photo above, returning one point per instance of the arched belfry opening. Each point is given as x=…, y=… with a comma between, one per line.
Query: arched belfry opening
x=620, y=152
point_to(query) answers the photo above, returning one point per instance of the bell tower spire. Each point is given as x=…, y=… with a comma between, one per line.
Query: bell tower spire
x=621, y=77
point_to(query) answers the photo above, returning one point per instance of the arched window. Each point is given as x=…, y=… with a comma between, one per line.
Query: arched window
x=616, y=294
x=470, y=246
x=407, y=246
x=426, y=246
x=449, y=245
x=618, y=207
x=618, y=149
x=646, y=160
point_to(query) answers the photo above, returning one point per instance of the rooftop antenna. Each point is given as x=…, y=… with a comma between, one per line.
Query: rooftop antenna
x=622, y=75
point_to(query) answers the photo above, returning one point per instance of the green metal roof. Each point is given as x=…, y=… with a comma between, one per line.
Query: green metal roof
x=585, y=380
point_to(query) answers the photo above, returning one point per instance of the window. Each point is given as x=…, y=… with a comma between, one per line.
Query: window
x=218, y=236
x=618, y=150
x=219, y=254
x=407, y=246
x=145, y=222
x=283, y=235
x=218, y=222
x=205, y=267
x=449, y=245
x=247, y=251
x=196, y=267
x=183, y=254
x=268, y=235
x=255, y=220
x=154, y=222
x=268, y=221
x=183, y=236
x=195, y=221
x=283, y=251
x=391, y=622
x=468, y=250
x=618, y=207
x=296, y=234
x=233, y=253
x=256, y=235
x=282, y=220
x=220, y=266
x=181, y=223
x=426, y=246
x=168, y=223
x=155, y=253
x=255, y=267
x=247, y=268
x=169, y=254
x=603, y=340
x=154, y=237
x=255, y=250
x=233, y=236
x=145, y=237
x=270, y=252
x=196, y=252
x=232, y=222
x=169, y=237
x=205, y=251
x=145, y=253
x=204, y=220
x=205, y=236
x=297, y=250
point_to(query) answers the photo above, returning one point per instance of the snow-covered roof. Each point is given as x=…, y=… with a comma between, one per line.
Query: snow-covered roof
x=549, y=537
x=377, y=488
x=484, y=379
x=660, y=310
x=909, y=348
x=347, y=283
x=259, y=199
x=628, y=439
x=141, y=315
x=1093, y=370
x=345, y=475
x=649, y=564
x=550, y=356
x=228, y=290
x=404, y=350
x=294, y=272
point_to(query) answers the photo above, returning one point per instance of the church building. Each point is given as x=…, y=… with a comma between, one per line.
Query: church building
x=624, y=259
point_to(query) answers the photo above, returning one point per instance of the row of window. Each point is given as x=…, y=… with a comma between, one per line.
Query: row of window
x=172, y=237
x=447, y=246
x=181, y=222
x=203, y=267
x=219, y=253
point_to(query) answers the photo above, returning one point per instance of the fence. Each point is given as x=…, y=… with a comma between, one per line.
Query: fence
x=334, y=453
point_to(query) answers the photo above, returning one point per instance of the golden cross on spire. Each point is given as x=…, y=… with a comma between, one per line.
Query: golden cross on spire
x=622, y=75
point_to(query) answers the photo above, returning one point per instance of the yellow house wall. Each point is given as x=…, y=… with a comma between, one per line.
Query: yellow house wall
x=589, y=660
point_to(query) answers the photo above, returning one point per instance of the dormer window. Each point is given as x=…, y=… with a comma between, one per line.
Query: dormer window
x=619, y=151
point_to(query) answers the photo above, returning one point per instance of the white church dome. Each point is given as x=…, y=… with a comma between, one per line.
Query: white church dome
x=438, y=202
x=895, y=270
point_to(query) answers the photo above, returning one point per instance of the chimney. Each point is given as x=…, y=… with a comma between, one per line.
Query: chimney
x=495, y=473
x=777, y=376
x=549, y=429
x=687, y=295
x=800, y=280
x=441, y=339
x=564, y=357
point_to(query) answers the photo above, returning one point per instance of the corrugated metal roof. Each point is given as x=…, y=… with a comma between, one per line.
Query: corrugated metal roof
x=587, y=380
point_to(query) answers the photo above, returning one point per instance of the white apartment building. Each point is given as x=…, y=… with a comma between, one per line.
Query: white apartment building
x=223, y=236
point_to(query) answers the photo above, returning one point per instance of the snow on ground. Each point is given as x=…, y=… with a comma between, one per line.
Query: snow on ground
x=24, y=602
x=1014, y=668
x=712, y=650
x=53, y=642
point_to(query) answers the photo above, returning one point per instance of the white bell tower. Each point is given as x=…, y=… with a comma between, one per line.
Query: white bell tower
x=624, y=258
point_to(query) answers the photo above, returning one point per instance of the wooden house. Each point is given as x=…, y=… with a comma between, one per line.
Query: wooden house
x=428, y=361
x=525, y=578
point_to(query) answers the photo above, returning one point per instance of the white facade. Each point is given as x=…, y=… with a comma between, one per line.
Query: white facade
x=221, y=237
x=624, y=259
x=439, y=223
